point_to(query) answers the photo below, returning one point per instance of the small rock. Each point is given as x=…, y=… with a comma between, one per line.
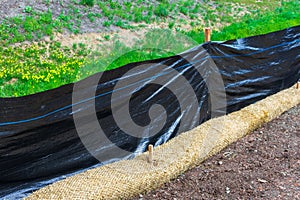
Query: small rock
x=227, y=154
x=283, y=188
x=261, y=180
x=227, y=190
x=283, y=173
x=220, y=162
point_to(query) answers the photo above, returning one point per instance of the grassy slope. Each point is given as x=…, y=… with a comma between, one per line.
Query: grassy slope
x=38, y=20
x=46, y=65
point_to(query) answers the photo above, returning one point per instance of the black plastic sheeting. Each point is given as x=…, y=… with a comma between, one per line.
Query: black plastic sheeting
x=39, y=142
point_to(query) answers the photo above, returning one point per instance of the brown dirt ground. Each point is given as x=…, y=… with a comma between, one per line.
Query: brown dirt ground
x=263, y=165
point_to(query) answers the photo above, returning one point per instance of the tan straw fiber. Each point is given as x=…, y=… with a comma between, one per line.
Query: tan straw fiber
x=127, y=178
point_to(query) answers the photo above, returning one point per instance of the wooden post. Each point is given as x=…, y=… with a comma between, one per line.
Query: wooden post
x=207, y=33
x=297, y=85
x=150, y=151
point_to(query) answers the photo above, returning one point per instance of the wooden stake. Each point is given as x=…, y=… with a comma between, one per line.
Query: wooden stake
x=207, y=33
x=150, y=151
x=297, y=85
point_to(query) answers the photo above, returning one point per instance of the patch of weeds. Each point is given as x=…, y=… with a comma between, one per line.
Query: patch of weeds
x=107, y=37
x=47, y=2
x=184, y=10
x=122, y=24
x=74, y=46
x=161, y=10
x=171, y=25
x=90, y=3
x=91, y=16
x=27, y=9
x=32, y=26
x=107, y=23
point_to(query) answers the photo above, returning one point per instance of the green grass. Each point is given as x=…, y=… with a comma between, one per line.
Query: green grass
x=281, y=18
x=158, y=43
x=43, y=66
x=33, y=25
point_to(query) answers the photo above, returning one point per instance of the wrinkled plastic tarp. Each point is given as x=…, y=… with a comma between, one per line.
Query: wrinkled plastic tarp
x=39, y=142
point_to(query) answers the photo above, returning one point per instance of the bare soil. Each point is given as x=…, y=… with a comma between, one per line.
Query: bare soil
x=263, y=165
